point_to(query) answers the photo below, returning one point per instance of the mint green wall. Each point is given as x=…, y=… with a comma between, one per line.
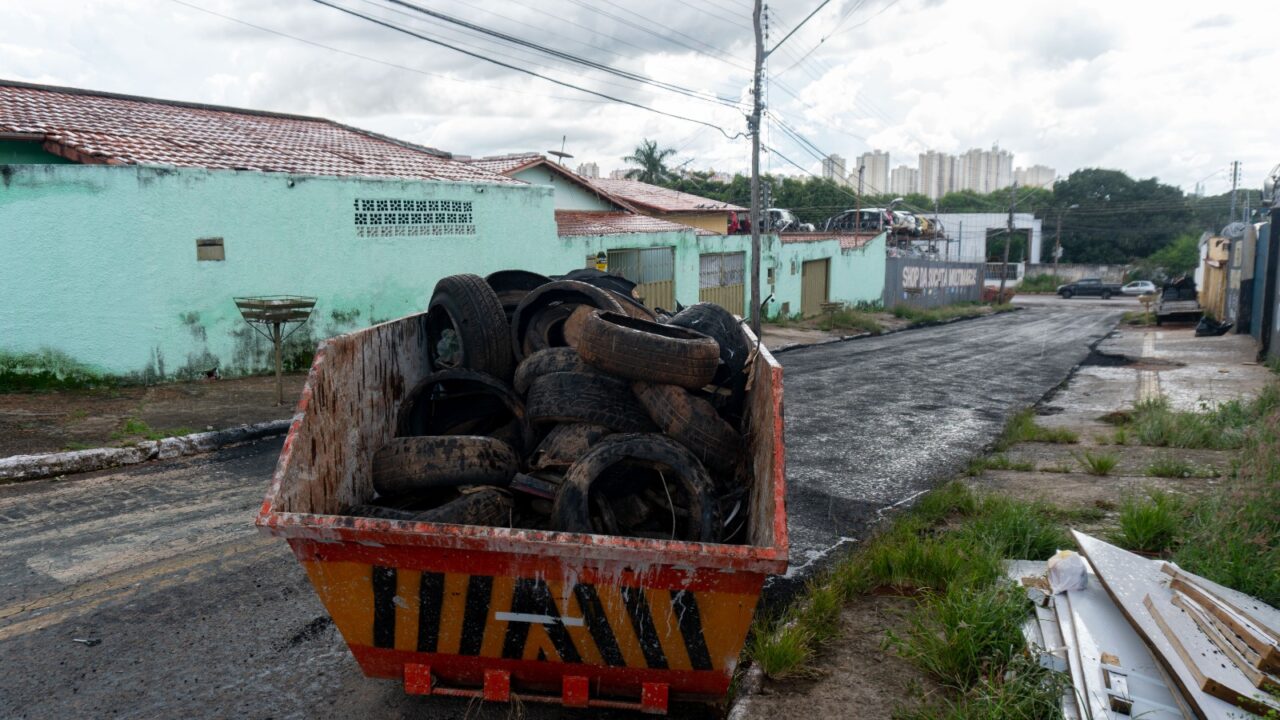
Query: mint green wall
x=27, y=152
x=100, y=261
x=569, y=196
x=857, y=275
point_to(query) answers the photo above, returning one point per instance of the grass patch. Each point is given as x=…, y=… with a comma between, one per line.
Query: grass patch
x=1023, y=691
x=1015, y=529
x=137, y=428
x=78, y=445
x=938, y=314
x=1150, y=523
x=1042, y=283
x=1098, y=463
x=959, y=634
x=1232, y=535
x=1022, y=427
x=1224, y=427
x=1138, y=318
x=783, y=650
x=46, y=371
x=999, y=461
x=848, y=318
x=1169, y=466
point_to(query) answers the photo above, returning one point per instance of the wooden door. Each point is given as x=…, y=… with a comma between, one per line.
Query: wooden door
x=814, y=286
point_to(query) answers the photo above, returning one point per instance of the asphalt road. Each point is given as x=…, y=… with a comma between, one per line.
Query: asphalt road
x=188, y=612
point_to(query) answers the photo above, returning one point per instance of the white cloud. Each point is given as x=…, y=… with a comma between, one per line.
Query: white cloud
x=1175, y=93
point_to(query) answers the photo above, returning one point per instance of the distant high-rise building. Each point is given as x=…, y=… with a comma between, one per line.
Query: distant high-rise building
x=721, y=177
x=589, y=170
x=875, y=171
x=1036, y=176
x=833, y=168
x=939, y=174
x=618, y=174
x=985, y=171
x=904, y=180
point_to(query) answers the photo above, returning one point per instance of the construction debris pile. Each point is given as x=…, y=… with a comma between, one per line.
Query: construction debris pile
x=1143, y=638
x=566, y=404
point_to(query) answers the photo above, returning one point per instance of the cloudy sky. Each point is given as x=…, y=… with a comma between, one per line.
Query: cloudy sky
x=1172, y=89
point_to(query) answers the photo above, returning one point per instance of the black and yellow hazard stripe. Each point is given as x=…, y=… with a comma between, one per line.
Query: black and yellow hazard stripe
x=521, y=618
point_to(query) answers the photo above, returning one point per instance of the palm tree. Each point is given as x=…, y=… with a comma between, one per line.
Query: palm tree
x=650, y=159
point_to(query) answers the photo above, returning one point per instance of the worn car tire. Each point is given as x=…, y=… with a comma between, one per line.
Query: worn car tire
x=720, y=325
x=467, y=306
x=511, y=286
x=408, y=465
x=463, y=402
x=592, y=398
x=692, y=422
x=572, y=509
x=560, y=292
x=545, y=362
x=644, y=350
x=483, y=506
x=565, y=444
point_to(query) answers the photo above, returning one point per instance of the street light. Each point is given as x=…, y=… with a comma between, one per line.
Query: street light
x=1057, y=237
x=888, y=210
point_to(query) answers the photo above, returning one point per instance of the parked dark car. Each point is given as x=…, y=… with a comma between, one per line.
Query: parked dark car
x=1089, y=286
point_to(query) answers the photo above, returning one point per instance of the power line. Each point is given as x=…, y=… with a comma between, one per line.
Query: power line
x=526, y=71
x=367, y=58
x=562, y=55
x=720, y=55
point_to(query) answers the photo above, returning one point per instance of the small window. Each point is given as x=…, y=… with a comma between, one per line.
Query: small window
x=210, y=249
x=771, y=280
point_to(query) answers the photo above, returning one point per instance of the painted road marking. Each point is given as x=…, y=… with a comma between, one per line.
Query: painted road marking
x=86, y=597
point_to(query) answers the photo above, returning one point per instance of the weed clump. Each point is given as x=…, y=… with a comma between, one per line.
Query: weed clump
x=1150, y=523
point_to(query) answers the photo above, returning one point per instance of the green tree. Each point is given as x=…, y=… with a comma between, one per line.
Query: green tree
x=652, y=162
x=1117, y=219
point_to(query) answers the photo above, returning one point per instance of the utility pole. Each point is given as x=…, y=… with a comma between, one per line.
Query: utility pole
x=1235, y=179
x=755, y=169
x=1057, y=244
x=857, y=218
x=1008, y=240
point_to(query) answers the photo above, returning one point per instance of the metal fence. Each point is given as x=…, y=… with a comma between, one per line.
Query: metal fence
x=930, y=283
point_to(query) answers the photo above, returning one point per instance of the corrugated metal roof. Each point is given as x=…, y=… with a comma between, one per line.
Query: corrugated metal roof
x=94, y=127
x=660, y=198
x=585, y=222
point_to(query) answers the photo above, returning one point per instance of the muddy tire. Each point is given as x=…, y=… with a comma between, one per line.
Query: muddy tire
x=720, y=325
x=591, y=398
x=467, y=329
x=462, y=402
x=410, y=465
x=545, y=362
x=565, y=444
x=511, y=286
x=693, y=423
x=595, y=478
x=567, y=293
x=483, y=506
x=648, y=351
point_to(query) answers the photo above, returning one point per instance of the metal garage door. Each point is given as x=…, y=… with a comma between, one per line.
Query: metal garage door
x=720, y=280
x=814, y=286
x=652, y=270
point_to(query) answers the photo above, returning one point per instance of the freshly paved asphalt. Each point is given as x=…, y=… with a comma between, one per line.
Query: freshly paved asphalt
x=190, y=613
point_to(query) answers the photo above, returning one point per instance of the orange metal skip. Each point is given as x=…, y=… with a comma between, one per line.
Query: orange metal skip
x=582, y=620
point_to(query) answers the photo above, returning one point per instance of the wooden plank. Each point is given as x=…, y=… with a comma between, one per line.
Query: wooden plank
x=1263, y=639
x=1211, y=684
x=1200, y=617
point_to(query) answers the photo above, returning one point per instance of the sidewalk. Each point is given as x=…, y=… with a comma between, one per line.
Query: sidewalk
x=45, y=422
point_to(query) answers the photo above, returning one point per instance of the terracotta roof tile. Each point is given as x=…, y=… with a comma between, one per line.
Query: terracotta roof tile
x=118, y=129
x=660, y=198
x=585, y=222
x=503, y=164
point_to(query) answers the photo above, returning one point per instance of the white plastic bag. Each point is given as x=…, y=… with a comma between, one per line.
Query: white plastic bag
x=1067, y=572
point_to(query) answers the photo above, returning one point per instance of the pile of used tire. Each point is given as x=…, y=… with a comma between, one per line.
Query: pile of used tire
x=568, y=405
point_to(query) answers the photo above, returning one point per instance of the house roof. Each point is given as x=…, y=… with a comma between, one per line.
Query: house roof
x=586, y=222
x=659, y=198
x=848, y=241
x=106, y=128
x=505, y=164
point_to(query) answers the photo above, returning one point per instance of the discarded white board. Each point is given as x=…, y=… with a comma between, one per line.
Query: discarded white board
x=1043, y=635
x=1213, y=686
x=1120, y=676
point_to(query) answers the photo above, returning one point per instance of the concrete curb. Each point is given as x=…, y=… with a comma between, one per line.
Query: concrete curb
x=917, y=326
x=34, y=467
